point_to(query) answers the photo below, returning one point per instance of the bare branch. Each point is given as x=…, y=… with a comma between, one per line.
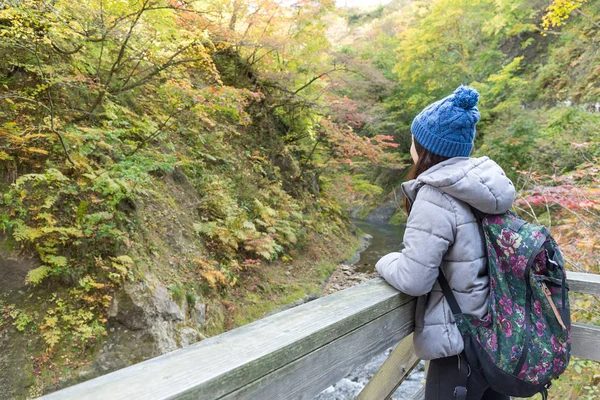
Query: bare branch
x=159, y=130
x=120, y=56
x=66, y=52
x=578, y=11
x=51, y=107
x=152, y=74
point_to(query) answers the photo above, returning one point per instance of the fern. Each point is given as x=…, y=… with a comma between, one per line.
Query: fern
x=207, y=228
x=88, y=283
x=122, y=264
x=49, y=202
x=264, y=246
x=123, y=259
x=226, y=238
x=51, y=175
x=47, y=217
x=214, y=278
x=35, y=276
x=24, y=233
x=249, y=225
x=241, y=228
x=57, y=261
x=288, y=232
x=265, y=213
x=65, y=231
x=21, y=320
x=98, y=217
x=49, y=322
x=52, y=337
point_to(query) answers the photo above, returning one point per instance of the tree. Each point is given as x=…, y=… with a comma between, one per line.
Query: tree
x=559, y=11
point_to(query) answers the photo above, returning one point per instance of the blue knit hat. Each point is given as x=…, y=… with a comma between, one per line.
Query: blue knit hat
x=447, y=127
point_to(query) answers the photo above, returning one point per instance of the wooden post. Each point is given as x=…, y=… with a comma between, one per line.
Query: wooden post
x=392, y=373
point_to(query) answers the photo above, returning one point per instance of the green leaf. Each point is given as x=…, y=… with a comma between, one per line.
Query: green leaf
x=58, y=261
x=35, y=276
x=26, y=233
x=122, y=264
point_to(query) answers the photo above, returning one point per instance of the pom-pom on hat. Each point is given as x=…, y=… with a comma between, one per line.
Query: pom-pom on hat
x=447, y=127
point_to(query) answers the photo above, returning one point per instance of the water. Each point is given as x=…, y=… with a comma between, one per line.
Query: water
x=350, y=386
x=386, y=238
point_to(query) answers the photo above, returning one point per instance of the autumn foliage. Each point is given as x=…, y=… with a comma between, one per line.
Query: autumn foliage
x=102, y=102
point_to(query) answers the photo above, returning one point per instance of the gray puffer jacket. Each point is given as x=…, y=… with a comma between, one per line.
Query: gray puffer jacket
x=442, y=232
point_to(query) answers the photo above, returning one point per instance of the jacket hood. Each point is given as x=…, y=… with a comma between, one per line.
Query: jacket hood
x=479, y=182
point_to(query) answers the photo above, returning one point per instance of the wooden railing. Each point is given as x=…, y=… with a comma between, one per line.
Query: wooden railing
x=299, y=352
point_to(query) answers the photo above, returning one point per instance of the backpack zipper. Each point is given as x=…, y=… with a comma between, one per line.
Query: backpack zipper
x=552, y=305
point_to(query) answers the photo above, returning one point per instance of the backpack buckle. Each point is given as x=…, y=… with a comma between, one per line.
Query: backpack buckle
x=460, y=393
x=550, y=262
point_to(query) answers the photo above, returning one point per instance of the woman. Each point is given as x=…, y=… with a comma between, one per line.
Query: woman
x=443, y=233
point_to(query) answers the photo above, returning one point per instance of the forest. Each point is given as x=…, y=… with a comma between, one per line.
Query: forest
x=172, y=169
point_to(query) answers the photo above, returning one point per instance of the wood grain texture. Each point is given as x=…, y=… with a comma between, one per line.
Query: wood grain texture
x=308, y=376
x=585, y=341
x=583, y=283
x=305, y=348
x=215, y=367
x=392, y=373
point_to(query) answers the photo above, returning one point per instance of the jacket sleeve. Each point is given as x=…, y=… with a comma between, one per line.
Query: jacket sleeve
x=430, y=230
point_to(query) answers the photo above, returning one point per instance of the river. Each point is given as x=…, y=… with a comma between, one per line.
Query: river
x=385, y=239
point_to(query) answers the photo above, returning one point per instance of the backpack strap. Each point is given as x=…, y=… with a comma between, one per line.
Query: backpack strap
x=464, y=371
x=480, y=215
x=448, y=293
x=544, y=391
x=516, y=225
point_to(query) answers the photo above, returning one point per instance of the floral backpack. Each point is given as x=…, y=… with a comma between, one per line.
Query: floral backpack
x=523, y=342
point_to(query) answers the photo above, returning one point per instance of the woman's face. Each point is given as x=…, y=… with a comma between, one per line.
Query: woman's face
x=413, y=151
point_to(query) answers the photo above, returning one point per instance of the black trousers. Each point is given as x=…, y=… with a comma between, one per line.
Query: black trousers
x=443, y=377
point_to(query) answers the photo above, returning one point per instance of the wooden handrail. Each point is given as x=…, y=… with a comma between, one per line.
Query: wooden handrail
x=296, y=353
x=300, y=351
x=580, y=282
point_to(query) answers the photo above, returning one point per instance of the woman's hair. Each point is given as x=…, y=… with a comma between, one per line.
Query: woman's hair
x=426, y=160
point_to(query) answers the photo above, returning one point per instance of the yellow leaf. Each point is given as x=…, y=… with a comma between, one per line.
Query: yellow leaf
x=36, y=275
x=214, y=278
